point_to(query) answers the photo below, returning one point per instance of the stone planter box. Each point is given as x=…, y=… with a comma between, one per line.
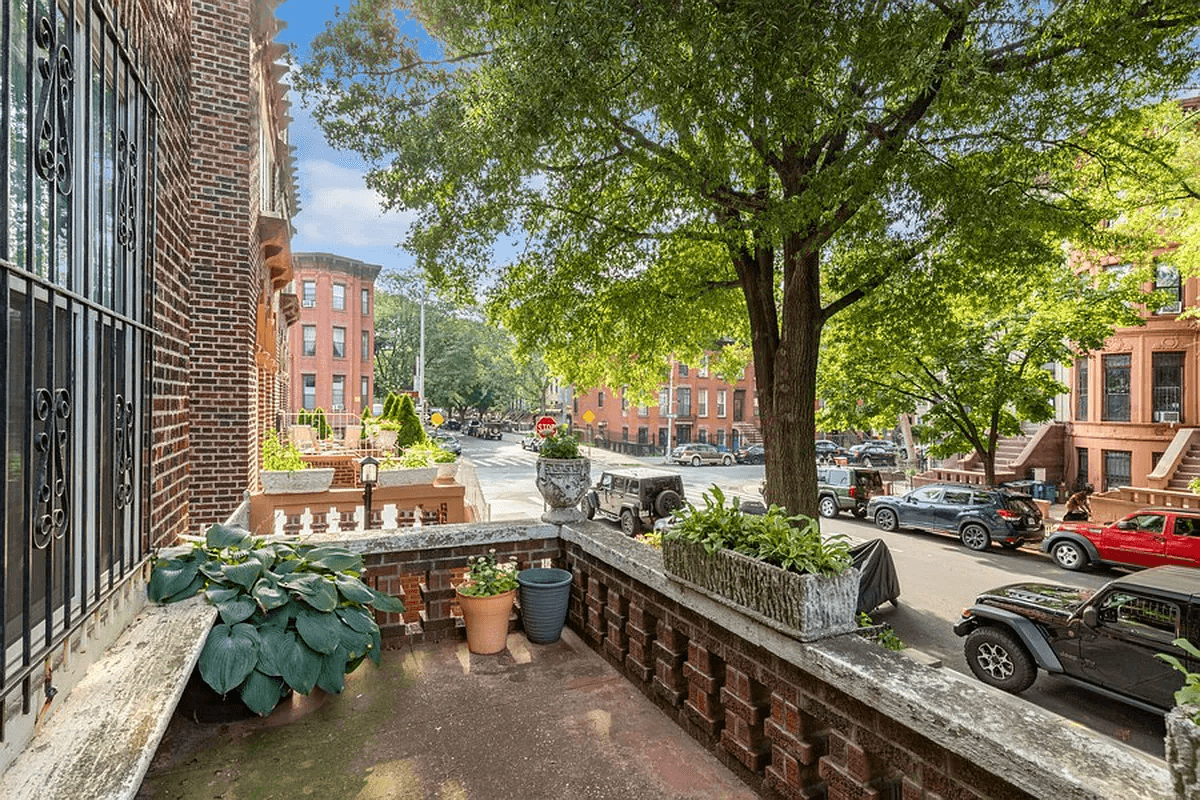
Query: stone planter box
x=301, y=481
x=562, y=483
x=411, y=476
x=804, y=607
x=1183, y=752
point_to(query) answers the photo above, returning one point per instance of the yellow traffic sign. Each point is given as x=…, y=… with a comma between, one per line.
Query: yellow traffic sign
x=437, y=418
x=588, y=416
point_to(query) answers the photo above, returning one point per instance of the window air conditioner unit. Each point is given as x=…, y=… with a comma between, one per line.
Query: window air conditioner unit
x=338, y=407
x=308, y=304
x=1168, y=416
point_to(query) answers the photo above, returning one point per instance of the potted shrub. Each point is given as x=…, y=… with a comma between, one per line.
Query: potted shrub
x=486, y=599
x=772, y=567
x=293, y=616
x=418, y=464
x=563, y=476
x=284, y=470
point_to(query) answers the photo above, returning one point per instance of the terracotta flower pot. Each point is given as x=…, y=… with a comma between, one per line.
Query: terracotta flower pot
x=487, y=620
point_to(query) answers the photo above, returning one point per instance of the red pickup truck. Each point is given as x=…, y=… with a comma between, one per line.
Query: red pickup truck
x=1150, y=537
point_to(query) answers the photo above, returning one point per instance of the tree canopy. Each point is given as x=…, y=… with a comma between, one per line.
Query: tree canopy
x=670, y=174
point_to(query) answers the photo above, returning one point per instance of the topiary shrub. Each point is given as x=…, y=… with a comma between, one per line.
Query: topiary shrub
x=410, y=431
x=321, y=425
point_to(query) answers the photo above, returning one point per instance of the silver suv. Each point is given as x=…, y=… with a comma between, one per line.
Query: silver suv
x=634, y=497
x=698, y=453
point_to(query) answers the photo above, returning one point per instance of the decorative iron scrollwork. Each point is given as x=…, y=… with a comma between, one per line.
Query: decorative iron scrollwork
x=53, y=125
x=127, y=205
x=51, y=518
x=123, y=451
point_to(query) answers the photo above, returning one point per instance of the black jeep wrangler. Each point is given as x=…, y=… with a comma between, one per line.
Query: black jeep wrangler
x=1104, y=639
x=634, y=497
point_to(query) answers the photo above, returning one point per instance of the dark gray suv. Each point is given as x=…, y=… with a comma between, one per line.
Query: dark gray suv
x=634, y=497
x=978, y=516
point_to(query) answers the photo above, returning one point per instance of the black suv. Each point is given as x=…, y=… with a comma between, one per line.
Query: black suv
x=1104, y=639
x=846, y=489
x=634, y=497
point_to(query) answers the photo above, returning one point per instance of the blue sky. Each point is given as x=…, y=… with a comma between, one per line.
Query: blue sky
x=339, y=214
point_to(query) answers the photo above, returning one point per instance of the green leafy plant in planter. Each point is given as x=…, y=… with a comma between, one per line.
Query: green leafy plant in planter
x=789, y=542
x=1189, y=693
x=560, y=444
x=292, y=616
x=279, y=456
x=486, y=578
x=425, y=454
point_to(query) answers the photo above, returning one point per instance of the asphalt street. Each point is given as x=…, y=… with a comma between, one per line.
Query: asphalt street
x=938, y=576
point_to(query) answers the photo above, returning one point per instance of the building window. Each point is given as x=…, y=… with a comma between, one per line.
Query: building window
x=721, y=403
x=309, y=300
x=662, y=438
x=1118, y=469
x=339, y=297
x=643, y=435
x=599, y=399
x=704, y=367
x=366, y=392
x=1116, y=388
x=310, y=340
x=309, y=400
x=721, y=437
x=664, y=401
x=683, y=398
x=703, y=434
x=1167, y=280
x=756, y=404
x=339, y=342
x=625, y=433
x=683, y=370
x=1081, y=390
x=1167, y=388
x=1082, y=469
x=339, y=393
x=624, y=402
x=366, y=345
x=643, y=411
x=683, y=434
x=366, y=302
x=702, y=403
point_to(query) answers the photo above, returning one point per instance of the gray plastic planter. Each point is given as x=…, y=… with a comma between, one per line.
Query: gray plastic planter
x=544, y=595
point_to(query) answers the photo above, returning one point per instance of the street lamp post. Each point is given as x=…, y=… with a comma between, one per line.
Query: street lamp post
x=368, y=474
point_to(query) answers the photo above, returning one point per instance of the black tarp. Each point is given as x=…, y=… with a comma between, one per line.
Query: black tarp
x=877, y=574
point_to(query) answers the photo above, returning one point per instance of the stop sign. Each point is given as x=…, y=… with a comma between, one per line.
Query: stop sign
x=545, y=426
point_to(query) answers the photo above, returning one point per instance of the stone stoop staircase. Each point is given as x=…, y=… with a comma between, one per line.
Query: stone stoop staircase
x=1008, y=450
x=1189, y=468
x=748, y=433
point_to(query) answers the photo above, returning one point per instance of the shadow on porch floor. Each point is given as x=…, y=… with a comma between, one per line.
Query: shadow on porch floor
x=537, y=721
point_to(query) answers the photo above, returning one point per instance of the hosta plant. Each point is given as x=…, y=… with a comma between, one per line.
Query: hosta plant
x=1188, y=694
x=292, y=615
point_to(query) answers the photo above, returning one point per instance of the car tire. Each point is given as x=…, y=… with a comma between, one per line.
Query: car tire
x=587, y=507
x=696, y=461
x=667, y=501
x=886, y=520
x=1069, y=555
x=827, y=506
x=975, y=537
x=998, y=659
x=630, y=524
x=727, y=461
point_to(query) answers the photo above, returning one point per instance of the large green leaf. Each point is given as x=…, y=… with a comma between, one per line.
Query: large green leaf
x=275, y=644
x=286, y=566
x=334, y=559
x=316, y=590
x=239, y=609
x=188, y=591
x=280, y=617
x=170, y=577
x=229, y=655
x=353, y=589
x=357, y=618
x=322, y=631
x=333, y=672
x=268, y=594
x=214, y=570
x=299, y=665
x=385, y=602
x=221, y=594
x=356, y=644
x=261, y=693
x=222, y=536
x=245, y=573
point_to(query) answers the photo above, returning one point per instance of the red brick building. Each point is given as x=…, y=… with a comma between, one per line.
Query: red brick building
x=705, y=409
x=333, y=345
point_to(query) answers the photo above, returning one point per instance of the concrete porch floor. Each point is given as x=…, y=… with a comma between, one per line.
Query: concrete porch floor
x=536, y=721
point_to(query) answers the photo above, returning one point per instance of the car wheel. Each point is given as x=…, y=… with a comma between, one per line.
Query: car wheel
x=1069, y=555
x=727, y=461
x=588, y=507
x=696, y=461
x=866, y=462
x=667, y=501
x=629, y=522
x=998, y=659
x=827, y=506
x=975, y=537
x=886, y=520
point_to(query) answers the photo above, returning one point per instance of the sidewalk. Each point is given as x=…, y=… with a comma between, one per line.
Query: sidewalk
x=537, y=721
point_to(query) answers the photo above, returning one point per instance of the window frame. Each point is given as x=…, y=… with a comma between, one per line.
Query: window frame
x=337, y=300
x=305, y=349
x=338, y=349
x=1112, y=366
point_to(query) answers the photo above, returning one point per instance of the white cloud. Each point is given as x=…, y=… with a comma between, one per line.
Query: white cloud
x=339, y=211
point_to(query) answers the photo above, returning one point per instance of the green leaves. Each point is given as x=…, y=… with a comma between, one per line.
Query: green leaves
x=291, y=615
x=1189, y=693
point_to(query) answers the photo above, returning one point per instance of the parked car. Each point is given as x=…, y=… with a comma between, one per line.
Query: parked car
x=1148, y=538
x=829, y=450
x=531, y=441
x=1104, y=639
x=870, y=454
x=473, y=427
x=448, y=441
x=634, y=497
x=452, y=425
x=977, y=516
x=754, y=454
x=846, y=489
x=698, y=453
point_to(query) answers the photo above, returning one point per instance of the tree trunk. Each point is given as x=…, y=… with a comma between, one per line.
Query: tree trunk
x=988, y=457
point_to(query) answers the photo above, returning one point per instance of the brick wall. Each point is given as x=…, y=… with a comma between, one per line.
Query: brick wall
x=226, y=264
